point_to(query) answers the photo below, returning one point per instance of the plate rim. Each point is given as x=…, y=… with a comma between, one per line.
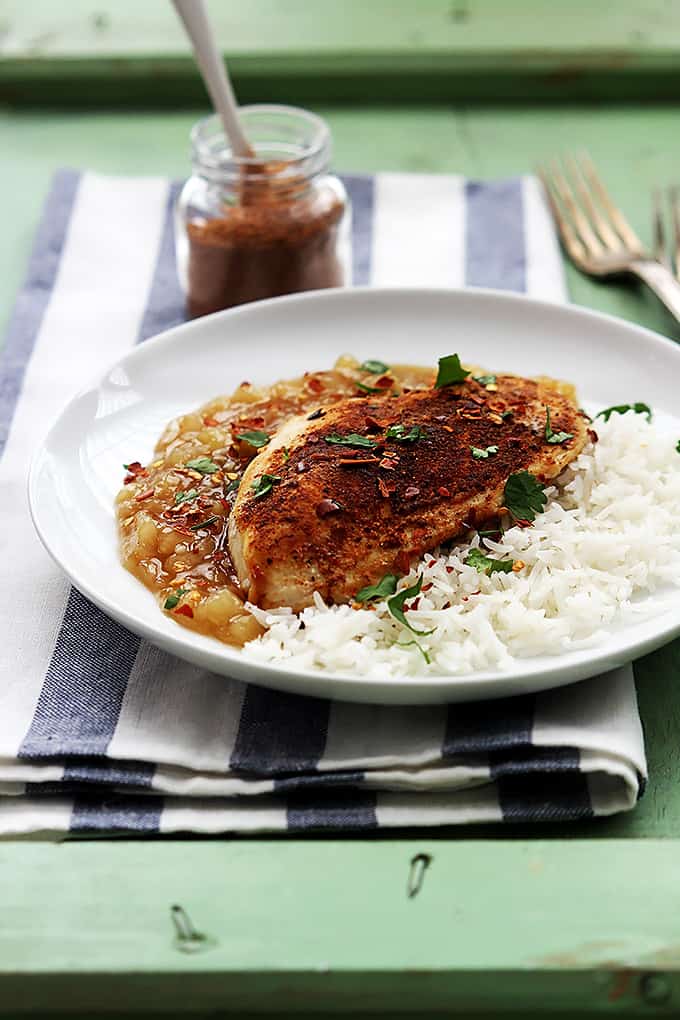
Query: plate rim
x=194, y=647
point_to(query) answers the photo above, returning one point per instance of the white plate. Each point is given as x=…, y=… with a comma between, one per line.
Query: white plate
x=77, y=472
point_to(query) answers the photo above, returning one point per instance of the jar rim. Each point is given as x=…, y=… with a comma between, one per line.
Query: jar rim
x=306, y=157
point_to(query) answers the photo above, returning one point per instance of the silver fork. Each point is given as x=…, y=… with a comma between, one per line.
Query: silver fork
x=597, y=236
x=672, y=261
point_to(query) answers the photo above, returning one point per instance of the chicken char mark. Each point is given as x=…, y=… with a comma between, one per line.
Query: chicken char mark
x=342, y=516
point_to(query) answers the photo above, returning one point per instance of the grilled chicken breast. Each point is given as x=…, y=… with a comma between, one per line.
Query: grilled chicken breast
x=362, y=486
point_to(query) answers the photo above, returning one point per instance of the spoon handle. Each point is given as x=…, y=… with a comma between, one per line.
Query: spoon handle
x=211, y=63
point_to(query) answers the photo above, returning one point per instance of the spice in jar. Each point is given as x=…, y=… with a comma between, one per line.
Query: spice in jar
x=258, y=228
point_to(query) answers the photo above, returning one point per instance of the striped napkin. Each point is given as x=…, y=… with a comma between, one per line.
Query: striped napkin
x=102, y=732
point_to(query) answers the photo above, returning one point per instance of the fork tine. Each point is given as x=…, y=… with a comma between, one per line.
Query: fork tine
x=605, y=231
x=584, y=231
x=569, y=239
x=622, y=225
x=674, y=197
x=659, y=230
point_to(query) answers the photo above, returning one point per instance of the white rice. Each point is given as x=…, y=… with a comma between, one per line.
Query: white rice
x=608, y=537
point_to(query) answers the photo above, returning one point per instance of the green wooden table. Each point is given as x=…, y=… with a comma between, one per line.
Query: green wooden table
x=571, y=921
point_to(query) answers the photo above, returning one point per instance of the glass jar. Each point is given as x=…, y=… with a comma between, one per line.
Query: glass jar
x=247, y=229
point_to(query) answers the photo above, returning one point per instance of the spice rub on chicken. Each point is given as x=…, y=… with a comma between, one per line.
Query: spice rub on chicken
x=356, y=490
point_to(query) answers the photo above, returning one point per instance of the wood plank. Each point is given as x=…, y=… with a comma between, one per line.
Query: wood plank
x=343, y=50
x=311, y=926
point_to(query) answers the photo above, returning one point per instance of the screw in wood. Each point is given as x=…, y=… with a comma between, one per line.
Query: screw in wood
x=655, y=989
x=188, y=939
x=416, y=874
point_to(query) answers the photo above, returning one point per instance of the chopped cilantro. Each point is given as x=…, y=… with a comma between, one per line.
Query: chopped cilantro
x=396, y=606
x=204, y=524
x=677, y=447
x=487, y=533
x=450, y=371
x=387, y=585
x=639, y=408
x=352, y=439
x=368, y=389
x=399, y=433
x=407, y=644
x=185, y=497
x=264, y=484
x=233, y=485
x=524, y=496
x=484, y=454
x=554, y=437
x=256, y=438
x=204, y=465
x=286, y=454
x=487, y=565
x=485, y=380
x=374, y=367
x=173, y=600
x=506, y=414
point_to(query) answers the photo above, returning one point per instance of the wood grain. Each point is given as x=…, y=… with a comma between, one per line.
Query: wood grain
x=319, y=925
x=343, y=50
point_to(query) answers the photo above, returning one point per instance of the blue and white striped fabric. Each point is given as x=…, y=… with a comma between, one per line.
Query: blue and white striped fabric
x=102, y=732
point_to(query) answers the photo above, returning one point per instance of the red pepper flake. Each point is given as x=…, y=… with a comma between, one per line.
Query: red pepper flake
x=327, y=507
x=443, y=491
x=314, y=385
x=449, y=569
x=389, y=460
x=184, y=610
x=426, y=587
x=403, y=561
x=247, y=423
x=415, y=603
x=593, y=436
x=386, y=488
x=134, y=471
x=523, y=524
x=144, y=495
x=352, y=461
x=412, y=492
x=210, y=422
